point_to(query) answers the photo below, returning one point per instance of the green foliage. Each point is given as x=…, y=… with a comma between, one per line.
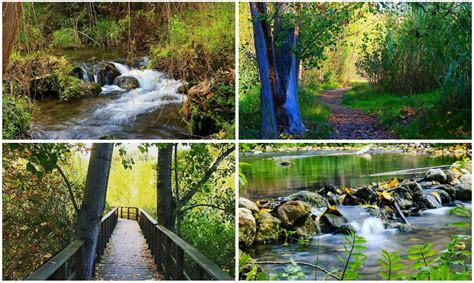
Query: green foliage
x=390, y=262
x=420, y=115
x=355, y=259
x=16, y=117
x=292, y=272
x=65, y=38
x=420, y=47
x=37, y=214
x=248, y=270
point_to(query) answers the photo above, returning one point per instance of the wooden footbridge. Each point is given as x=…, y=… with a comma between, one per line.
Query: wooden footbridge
x=123, y=253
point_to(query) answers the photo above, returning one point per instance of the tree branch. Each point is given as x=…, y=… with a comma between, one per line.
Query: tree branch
x=207, y=175
x=301, y=263
x=69, y=188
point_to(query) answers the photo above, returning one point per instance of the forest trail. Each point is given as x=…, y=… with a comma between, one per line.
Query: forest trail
x=348, y=123
x=126, y=256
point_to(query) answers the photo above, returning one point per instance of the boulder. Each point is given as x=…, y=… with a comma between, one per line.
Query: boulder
x=366, y=194
x=307, y=229
x=436, y=175
x=268, y=228
x=292, y=211
x=127, y=82
x=312, y=198
x=413, y=187
x=452, y=175
x=107, y=74
x=330, y=222
x=404, y=204
x=464, y=188
x=444, y=196
x=429, y=200
x=248, y=204
x=448, y=189
x=247, y=228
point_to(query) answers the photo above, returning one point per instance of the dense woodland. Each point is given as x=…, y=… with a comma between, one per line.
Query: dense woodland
x=193, y=42
x=54, y=193
x=407, y=64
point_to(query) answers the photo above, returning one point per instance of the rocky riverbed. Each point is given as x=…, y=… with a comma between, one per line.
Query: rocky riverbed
x=392, y=205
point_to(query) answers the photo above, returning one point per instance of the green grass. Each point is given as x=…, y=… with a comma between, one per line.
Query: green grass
x=422, y=115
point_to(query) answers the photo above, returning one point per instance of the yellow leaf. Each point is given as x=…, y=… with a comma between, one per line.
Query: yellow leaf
x=393, y=183
x=265, y=210
x=347, y=190
x=386, y=195
x=338, y=191
x=342, y=198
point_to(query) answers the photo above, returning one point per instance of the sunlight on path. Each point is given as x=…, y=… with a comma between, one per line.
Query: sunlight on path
x=126, y=256
x=348, y=123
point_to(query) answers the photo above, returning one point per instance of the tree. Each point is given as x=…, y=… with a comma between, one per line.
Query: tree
x=165, y=202
x=93, y=203
x=301, y=32
x=11, y=20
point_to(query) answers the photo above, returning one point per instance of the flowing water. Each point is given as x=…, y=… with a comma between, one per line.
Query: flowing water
x=267, y=178
x=148, y=112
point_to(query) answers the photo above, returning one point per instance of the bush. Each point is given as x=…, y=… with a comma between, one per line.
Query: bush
x=65, y=38
x=16, y=117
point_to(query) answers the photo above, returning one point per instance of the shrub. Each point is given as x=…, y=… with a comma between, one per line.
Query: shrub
x=65, y=38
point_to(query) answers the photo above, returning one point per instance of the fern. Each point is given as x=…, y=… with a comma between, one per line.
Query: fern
x=390, y=261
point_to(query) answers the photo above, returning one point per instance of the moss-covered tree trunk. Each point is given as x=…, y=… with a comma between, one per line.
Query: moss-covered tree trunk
x=11, y=19
x=93, y=203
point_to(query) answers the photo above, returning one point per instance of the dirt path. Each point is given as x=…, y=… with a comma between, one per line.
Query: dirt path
x=348, y=123
x=126, y=256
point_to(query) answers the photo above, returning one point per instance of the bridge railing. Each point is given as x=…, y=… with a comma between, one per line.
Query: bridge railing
x=128, y=212
x=175, y=258
x=67, y=264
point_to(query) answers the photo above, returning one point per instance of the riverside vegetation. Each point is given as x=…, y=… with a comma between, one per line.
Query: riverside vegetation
x=361, y=70
x=308, y=216
x=149, y=69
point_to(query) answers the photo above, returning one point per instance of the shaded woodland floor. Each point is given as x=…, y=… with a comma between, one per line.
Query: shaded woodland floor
x=348, y=123
x=126, y=256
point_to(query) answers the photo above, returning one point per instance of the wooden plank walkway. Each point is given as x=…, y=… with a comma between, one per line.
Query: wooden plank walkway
x=126, y=256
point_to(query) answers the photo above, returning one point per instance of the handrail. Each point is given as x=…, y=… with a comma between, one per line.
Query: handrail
x=67, y=264
x=170, y=253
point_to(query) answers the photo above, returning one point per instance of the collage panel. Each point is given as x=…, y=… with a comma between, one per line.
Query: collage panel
x=118, y=70
x=355, y=70
x=355, y=211
x=130, y=211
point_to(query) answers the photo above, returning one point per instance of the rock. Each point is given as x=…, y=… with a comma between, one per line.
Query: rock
x=452, y=175
x=292, y=211
x=448, y=189
x=248, y=204
x=285, y=163
x=247, y=228
x=308, y=229
x=314, y=199
x=367, y=194
x=107, y=74
x=78, y=72
x=444, y=196
x=268, y=228
x=402, y=227
x=404, y=203
x=331, y=222
x=464, y=188
x=248, y=265
x=436, y=175
x=463, y=192
x=429, y=200
x=127, y=82
x=184, y=88
x=347, y=228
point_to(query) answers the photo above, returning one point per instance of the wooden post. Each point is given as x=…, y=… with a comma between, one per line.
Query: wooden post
x=136, y=213
x=128, y=212
x=61, y=273
x=158, y=252
x=79, y=266
x=167, y=259
x=179, y=264
x=198, y=272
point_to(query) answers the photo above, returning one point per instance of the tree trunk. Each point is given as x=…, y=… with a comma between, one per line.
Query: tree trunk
x=11, y=20
x=288, y=113
x=266, y=67
x=93, y=203
x=165, y=202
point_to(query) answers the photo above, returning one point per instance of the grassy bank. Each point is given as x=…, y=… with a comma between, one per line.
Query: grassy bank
x=420, y=115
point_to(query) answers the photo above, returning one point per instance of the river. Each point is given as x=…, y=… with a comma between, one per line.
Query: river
x=150, y=111
x=267, y=178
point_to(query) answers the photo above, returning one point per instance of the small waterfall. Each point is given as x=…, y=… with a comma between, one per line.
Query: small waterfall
x=370, y=226
x=155, y=90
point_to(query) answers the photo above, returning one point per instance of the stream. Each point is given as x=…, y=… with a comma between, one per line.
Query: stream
x=150, y=111
x=267, y=178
